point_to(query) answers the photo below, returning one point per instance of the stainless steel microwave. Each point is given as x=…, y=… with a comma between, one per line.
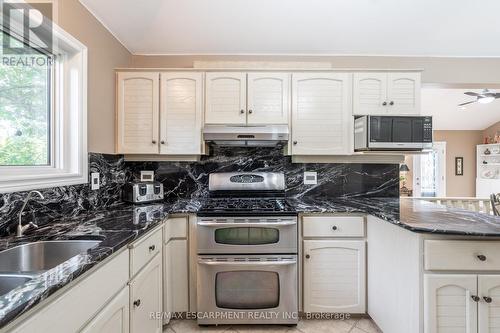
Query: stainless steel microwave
x=406, y=133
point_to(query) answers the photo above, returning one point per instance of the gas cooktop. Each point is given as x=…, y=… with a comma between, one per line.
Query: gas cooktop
x=246, y=206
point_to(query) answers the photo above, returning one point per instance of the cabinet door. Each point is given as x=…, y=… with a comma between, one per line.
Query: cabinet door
x=321, y=114
x=403, y=93
x=138, y=106
x=370, y=94
x=176, y=278
x=448, y=305
x=335, y=276
x=146, y=297
x=268, y=98
x=226, y=98
x=114, y=318
x=489, y=305
x=181, y=113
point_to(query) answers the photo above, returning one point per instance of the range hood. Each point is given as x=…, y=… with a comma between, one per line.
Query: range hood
x=246, y=136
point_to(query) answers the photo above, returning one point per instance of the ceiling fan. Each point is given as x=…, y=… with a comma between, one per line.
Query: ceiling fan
x=484, y=97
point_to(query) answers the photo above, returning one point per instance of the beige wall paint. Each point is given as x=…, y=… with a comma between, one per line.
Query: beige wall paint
x=105, y=53
x=460, y=143
x=492, y=130
x=466, y=72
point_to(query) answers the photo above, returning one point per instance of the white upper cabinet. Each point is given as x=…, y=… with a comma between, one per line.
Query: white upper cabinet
x=489, y=304
x=370, y=93
x=226, y=98
x=181, y=113
x=322, y=122
x=449, y=304
x=394, y=93
x=403, y=91
x=268, y=98
x=138, y=113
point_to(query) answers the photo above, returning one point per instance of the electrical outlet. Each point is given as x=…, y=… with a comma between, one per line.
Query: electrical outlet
x=95, y=182
x=147, y=176
x=310, y=178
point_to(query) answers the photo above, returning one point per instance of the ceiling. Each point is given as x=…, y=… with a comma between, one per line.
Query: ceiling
x=442, y=104
x=309, y=27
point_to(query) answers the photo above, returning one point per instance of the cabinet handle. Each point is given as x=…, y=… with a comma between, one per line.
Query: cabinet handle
x=162, y=142
x=137, y=303
x=242, y=111
x=475, y=298
x=152, y=248
x=153, y=142
x=384, y=104
x=487, y=299
x=250, y=111
x=481, y=257
x=334, y=228
x=308, y=256
x=391, y=103
x=295, y=142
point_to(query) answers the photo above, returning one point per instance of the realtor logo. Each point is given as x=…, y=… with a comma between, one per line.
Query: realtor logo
x=31, y=23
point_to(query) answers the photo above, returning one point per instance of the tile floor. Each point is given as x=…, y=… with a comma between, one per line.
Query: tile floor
x=354, y=325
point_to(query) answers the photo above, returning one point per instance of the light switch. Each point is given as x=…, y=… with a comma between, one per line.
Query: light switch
x=94, y=181
x=310, y=178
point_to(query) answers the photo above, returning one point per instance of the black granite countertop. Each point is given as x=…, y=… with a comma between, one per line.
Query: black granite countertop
x=412, y=214
x=115, y=227
x=120, y=225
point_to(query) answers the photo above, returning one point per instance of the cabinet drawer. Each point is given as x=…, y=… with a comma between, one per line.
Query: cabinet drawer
x=175, y=227
x=142, y=251
x=462, y=255
x=333, y=226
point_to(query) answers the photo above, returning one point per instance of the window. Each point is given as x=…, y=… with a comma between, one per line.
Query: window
x=25, y=111
x=43, y=115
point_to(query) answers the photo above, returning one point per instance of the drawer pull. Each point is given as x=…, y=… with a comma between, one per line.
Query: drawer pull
x=475, y=298
x=334, y=228
x=137, y=303
x=152, y=248
x=487, y=299
x=308, y=256
x=481, y=257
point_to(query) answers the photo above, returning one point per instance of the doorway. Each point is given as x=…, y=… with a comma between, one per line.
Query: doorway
x=429, y=175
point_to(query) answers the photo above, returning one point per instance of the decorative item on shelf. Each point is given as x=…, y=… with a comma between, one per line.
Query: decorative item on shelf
x=487, y=152
x=496, y=150
x=459, y=166
x=484, y=162
x=404, y=191
x=497, y=137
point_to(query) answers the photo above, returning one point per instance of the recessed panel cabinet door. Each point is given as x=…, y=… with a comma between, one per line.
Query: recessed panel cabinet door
x=114, y=318
x=181, y=113
x=403, y=90
x=146, y=297
x=449, y=304
x=226, y=98
x=268, y=98
x=335, y=276
x=138, y=112
x=370, y=93
x=322, y=121
x=489, y=304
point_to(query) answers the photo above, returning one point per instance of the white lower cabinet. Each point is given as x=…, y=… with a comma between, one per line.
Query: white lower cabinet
x=146, y=298
x=113, y=318
x=334, y=276
x=489, y=303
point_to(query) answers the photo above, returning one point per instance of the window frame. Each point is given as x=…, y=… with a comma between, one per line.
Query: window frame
x=68, y=122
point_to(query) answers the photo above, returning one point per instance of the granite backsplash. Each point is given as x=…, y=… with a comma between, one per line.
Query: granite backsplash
x=184, y=180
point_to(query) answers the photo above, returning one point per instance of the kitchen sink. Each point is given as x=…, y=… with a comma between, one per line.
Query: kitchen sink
x=10, y=282
x=42, y=256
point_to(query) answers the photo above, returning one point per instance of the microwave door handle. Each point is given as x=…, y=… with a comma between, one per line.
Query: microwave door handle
x=262, y=225
x=247, y=263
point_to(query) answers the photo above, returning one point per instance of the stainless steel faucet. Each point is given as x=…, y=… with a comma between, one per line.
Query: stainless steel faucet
x=20, y=228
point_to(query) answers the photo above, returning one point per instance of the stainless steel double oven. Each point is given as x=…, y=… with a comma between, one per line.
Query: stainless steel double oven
x=247, y=257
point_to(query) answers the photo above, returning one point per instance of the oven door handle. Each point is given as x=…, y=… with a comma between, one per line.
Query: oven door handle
x=229, y=224
x=248, y=263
